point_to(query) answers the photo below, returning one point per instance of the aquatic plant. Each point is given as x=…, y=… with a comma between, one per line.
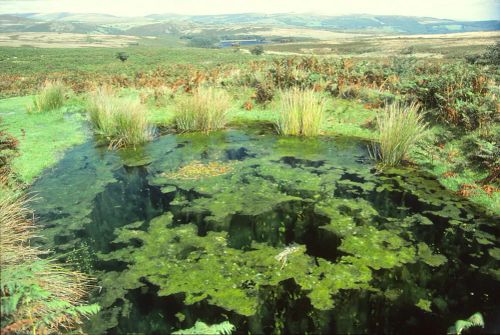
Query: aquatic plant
x=37, y=295
x=400, y=128
x=475, y=320
x=200, y=327
x=50, y=97
x=123, y=122
x=204, y=110
x=301, y=113
x=196, y=170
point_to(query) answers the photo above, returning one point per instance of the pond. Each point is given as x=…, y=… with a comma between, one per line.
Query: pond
x=275, y=234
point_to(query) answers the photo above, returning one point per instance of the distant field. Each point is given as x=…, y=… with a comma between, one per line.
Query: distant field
x=324, y=42
x=433, y=46
x=67, y=40
x=74, y=40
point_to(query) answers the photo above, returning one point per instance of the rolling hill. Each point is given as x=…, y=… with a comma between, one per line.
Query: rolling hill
x=173, y=24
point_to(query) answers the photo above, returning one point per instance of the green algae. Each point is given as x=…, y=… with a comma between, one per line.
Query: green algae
x=424, y=305
x=179, y=261
x=425, y=253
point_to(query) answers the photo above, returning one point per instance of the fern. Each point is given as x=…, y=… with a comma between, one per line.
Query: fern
x=475, y=320
x=200, y=327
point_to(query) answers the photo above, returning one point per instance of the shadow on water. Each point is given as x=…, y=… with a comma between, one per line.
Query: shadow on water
x=421, y=258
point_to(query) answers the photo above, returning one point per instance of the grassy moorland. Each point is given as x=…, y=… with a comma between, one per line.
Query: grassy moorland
x=439, y=116
x=460, y=100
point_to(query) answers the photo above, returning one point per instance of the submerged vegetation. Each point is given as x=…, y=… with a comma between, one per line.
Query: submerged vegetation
x=122, y=121
x=400, y=128
x=38, y=296
x=50, y=97
x=301, y=113
x=197, y=170
x=205, y=110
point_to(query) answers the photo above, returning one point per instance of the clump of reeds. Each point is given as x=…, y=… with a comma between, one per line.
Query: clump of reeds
x=38, y=295
x=122, y=121
x=301, y=113
x=400, y=128
x=50, y=97
x=204, y=110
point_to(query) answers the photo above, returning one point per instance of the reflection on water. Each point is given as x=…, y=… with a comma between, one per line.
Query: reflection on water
x=300, y=235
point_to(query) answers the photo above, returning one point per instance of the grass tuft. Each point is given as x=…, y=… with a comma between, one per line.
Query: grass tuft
x=50, y=97
x=123, y=122
x=205, y=110
x=301, y=113
x=400, y=128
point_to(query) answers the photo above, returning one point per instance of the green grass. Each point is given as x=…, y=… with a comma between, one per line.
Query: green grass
x=349, y=118
x=205, y=110
x=50, y=97
x=301, y=113
x=43, y=137
x=451, y=158
x=122, y=121
x=400, y=128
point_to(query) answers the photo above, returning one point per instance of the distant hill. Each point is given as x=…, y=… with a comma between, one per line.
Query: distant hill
x=358, y=23
x=177, y=25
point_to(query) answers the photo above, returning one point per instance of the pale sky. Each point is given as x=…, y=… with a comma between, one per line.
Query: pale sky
x=449, y=9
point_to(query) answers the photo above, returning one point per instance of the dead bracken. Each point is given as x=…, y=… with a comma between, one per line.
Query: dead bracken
x=197, y=170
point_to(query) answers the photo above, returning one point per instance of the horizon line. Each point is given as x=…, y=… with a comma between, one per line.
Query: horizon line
x=246, y=13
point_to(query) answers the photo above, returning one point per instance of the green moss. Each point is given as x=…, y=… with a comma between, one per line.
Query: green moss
x=43, y=137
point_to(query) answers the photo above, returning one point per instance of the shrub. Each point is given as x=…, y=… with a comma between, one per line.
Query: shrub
x=49, y=98
x=484, y=153
x=257, y=51
x=122, y=56
x=400, y=128
x=205, y=110
x=121, y=121
x=203, y=42
x=490, y=57
x=8, y=150
x=264, y=93
x=457, y=94
x=301, y=113
x=38, y=296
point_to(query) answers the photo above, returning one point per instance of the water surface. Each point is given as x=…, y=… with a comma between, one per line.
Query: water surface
x=299, y=236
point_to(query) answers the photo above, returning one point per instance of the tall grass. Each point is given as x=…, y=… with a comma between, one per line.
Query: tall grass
x=122, y=121
x=400, y=128
x=301, y=113
x=205, y=110
x=38, y=296
x=50, y=97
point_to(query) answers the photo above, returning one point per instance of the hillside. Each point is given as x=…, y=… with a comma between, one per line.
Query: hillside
x=173, y=24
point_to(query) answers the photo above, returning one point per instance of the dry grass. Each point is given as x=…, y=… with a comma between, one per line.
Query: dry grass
x=38, y=295
x=205, y=110
x=301, y=113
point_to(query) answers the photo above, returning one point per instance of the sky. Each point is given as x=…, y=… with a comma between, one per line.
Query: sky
x=449, y=9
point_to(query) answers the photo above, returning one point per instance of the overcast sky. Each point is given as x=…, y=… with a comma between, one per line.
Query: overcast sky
x=452, y=9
